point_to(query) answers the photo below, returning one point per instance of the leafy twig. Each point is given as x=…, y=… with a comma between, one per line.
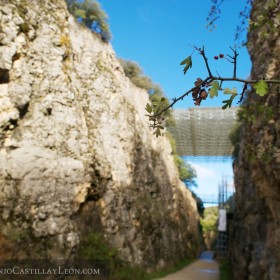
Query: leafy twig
x=211, y=82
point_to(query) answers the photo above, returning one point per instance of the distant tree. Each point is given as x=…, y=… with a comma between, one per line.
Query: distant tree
x=189, y=174
x=186, y=172
x=90, y=14
x=199, y=203
x=134, y=72
x=210, y=219
x=209, y=223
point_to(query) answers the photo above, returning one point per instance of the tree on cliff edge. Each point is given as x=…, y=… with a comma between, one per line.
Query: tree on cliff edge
x=90, y=14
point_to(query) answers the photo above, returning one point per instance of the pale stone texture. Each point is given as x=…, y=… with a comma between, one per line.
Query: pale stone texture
x=77, y=155
x=255, y=243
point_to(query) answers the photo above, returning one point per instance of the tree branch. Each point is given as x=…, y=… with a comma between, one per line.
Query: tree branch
x=202, y=52
x=235, y=55
x=199, y=90
x=211, y=79
x=242, y=93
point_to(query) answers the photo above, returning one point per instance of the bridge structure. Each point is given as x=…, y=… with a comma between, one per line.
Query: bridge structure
x=203, y=133
x=209, y=198
x=221, y=198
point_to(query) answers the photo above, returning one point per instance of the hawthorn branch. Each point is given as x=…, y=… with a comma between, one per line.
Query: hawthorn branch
x=242, y=93
x=243, y=80
x=210, y=79
x=234, y=61
x=202, y=52
x=175, y=100
x=200, y=87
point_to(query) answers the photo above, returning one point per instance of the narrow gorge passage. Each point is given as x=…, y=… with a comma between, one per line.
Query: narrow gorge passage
x=82, y=176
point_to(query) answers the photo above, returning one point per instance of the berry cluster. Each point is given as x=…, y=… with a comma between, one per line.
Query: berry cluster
x=217, y=57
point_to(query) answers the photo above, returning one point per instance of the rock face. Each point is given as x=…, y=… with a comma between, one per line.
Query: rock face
x=76, y=152
x=255, y=252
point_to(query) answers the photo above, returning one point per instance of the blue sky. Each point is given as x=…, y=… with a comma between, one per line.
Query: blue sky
x=158, y=33
x=210, y=175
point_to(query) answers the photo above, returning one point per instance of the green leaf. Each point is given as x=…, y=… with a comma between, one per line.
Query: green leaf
x=80, y=13
x=188, y=64
x=214, y=89
x=188, y=60
x=156, y=106
x=163, y=99
x=230, y=91
x=261, y=87
x=157, y=132
x=225, y=106
x=149, y=108
x=228, y=103
x=92, y=17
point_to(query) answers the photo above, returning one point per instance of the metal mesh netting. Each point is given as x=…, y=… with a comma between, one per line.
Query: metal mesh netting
x=204, y=132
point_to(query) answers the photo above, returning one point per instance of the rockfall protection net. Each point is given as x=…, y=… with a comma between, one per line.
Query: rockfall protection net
x=203, y=133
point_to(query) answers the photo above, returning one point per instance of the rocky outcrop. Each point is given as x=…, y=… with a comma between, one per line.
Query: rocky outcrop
x=255, y=251
x=76, y=153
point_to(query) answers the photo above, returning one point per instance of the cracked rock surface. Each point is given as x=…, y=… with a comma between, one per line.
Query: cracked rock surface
x=76, y=152
x=255, y=245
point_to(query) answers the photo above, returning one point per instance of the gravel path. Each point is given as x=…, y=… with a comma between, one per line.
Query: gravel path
x=203, y=269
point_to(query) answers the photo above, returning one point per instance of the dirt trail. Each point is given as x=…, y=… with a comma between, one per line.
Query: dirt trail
x=203, y=269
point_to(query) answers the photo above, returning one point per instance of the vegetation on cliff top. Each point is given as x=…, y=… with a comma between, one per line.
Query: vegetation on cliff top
x=134, y=72
x=90, y=14
x=186, y=172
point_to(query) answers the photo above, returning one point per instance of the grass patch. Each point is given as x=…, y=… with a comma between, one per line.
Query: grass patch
x=95, y=247
x=163, y=273
x=224, y=270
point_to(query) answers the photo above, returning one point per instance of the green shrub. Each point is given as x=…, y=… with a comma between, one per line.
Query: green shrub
x=90, y=14
x=134, y=72
x=95, y=247
x=186, y=172
x=209, y=222
x=224, y=270
x=200, y=206
x=234, y=137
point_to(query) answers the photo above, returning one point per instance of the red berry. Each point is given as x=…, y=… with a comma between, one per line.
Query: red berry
x=216, y=57
x=221, y=55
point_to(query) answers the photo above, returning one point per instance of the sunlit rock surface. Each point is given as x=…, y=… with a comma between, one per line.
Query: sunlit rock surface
x=76, y=152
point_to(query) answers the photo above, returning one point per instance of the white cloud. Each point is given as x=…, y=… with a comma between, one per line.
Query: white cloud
x=203, y=172
x=209, y=176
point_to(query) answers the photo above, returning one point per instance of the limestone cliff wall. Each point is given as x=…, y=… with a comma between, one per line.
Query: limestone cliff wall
x=76, y=153
x=255, y=252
